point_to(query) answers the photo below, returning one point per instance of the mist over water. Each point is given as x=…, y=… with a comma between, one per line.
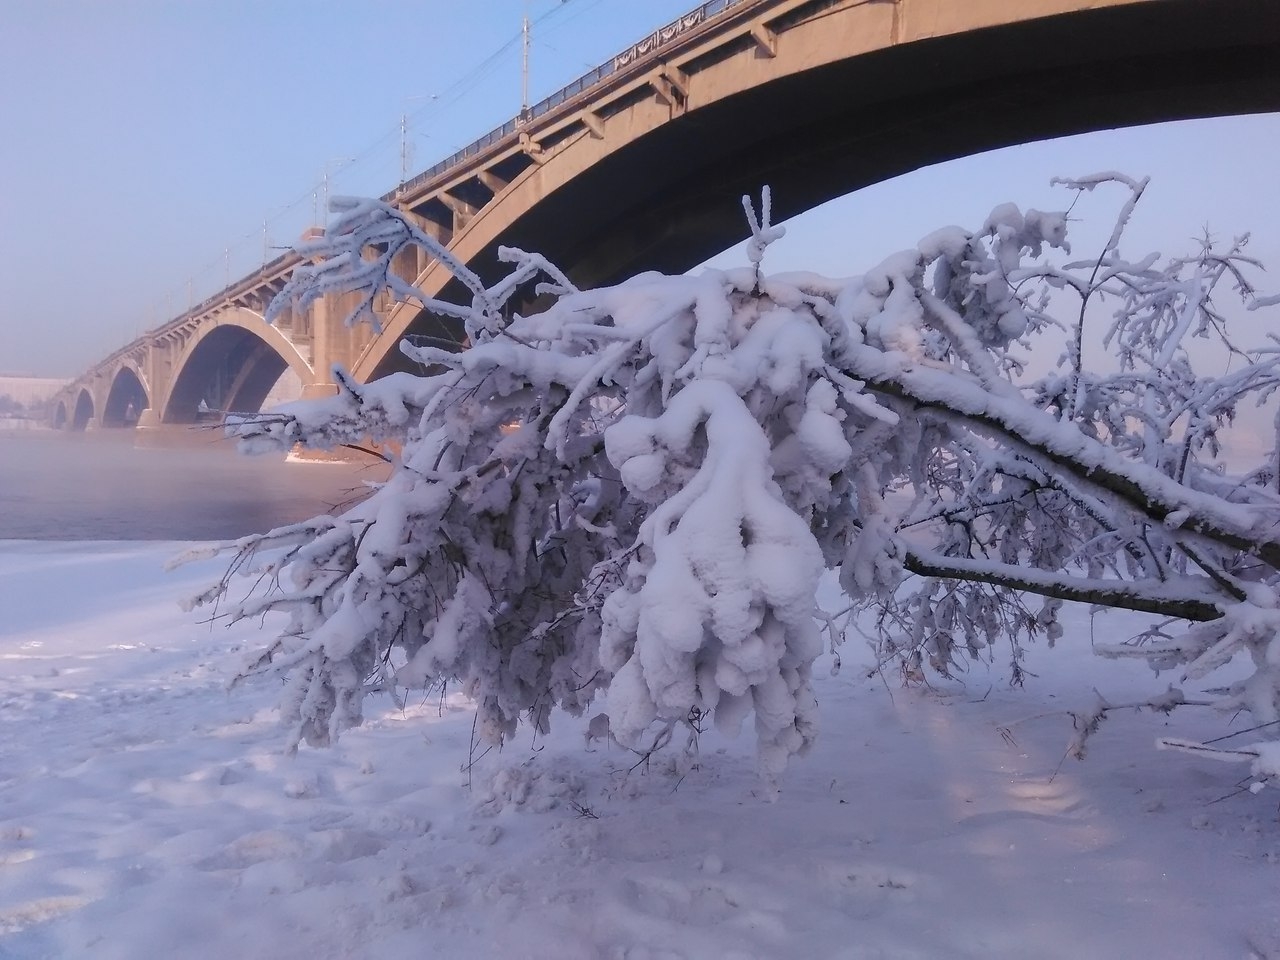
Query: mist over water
x=167, y=484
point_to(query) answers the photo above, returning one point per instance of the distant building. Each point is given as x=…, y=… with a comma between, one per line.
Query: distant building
x=29, y=394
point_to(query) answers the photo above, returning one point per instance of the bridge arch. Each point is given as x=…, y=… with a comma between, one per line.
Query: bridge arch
x=83, y=418
x=127, y=397
x=819, y=98
x=231, y=363
x=60, y=415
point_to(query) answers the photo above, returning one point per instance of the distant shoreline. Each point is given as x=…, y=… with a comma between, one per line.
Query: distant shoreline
x=20, y=425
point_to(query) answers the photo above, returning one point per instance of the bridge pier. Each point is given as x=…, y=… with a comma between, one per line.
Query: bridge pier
x=148, y=418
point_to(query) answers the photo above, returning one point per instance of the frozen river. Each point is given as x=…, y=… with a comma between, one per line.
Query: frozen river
x=169, y=484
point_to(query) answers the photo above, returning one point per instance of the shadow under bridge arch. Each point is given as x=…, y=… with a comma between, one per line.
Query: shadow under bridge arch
x=231, y=365
x=84, y=412
x=126, y=399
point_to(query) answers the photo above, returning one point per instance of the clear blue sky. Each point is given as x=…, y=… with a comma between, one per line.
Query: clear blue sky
x=140, y=139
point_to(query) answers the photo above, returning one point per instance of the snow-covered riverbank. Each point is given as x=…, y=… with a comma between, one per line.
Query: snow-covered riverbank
x=146, y=812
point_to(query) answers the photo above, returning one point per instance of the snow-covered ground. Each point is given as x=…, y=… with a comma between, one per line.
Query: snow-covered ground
x=147, y=813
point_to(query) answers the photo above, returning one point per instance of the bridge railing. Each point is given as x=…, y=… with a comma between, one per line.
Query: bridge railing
x=220, y=297
x=638, y=51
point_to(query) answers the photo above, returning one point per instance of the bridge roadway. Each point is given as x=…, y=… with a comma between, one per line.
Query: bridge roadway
x=640, y=164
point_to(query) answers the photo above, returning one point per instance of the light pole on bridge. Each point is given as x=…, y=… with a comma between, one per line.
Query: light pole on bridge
x=320, y=198
x=405, y=146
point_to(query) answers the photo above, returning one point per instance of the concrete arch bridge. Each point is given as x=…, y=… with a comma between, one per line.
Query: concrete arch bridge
x=640, y=164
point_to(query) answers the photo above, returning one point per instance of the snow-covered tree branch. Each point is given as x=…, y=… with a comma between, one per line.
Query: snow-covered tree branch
x=632, y=495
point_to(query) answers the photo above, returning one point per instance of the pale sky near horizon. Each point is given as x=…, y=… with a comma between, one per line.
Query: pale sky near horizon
x=143, y=143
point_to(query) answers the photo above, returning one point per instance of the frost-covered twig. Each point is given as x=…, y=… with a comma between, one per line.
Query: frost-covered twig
x=763, y=231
